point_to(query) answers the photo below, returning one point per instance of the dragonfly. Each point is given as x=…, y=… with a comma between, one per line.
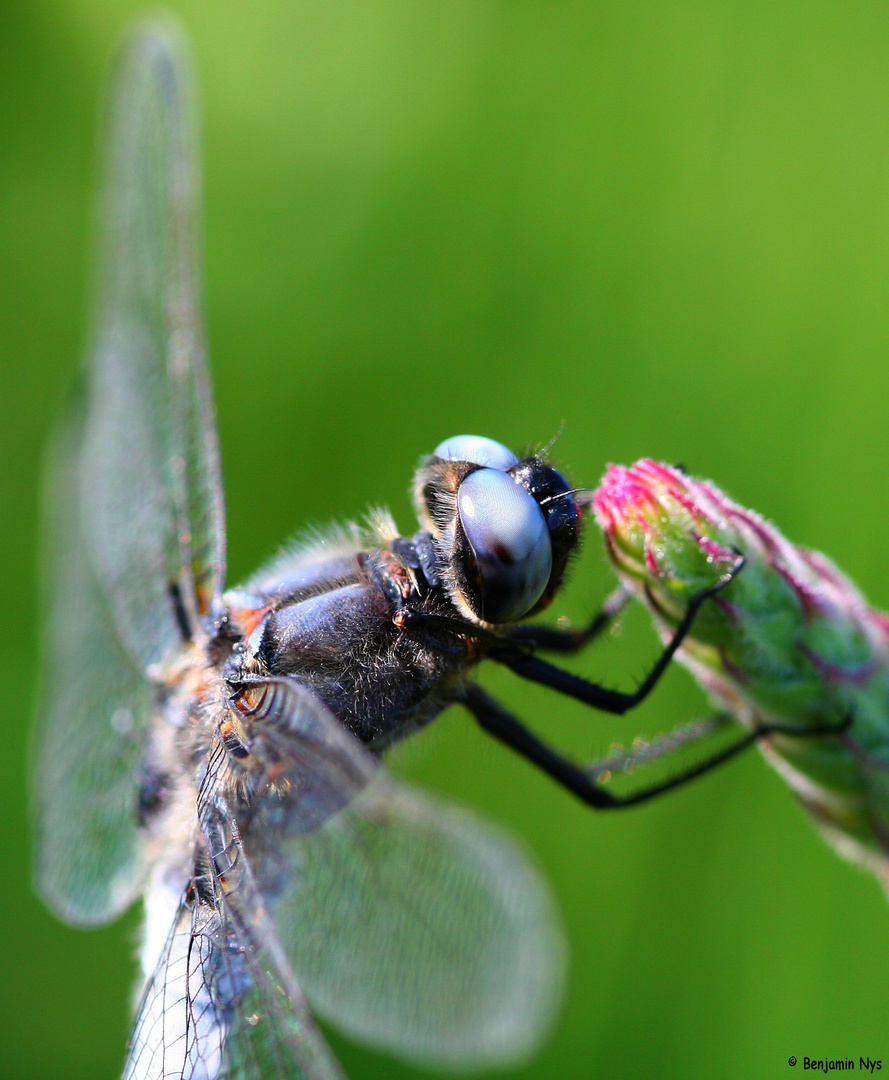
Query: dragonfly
x=217, y=751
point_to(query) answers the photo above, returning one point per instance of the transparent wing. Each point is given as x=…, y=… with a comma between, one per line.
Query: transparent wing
x=92, y=716
x=151, y=503
x=418, y=928
x=221, y=1004
x=411, y=925
x=134, y=518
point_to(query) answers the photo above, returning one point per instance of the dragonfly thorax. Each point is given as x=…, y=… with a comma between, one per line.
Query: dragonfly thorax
x=341, y=637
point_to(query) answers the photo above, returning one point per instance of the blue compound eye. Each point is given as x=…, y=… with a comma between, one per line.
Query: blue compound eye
x=511, y=550
x=477, y=450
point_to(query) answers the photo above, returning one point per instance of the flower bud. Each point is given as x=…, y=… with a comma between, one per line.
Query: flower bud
x=789, y=641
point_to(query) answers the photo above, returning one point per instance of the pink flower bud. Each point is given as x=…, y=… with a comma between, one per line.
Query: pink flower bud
x=789, y=641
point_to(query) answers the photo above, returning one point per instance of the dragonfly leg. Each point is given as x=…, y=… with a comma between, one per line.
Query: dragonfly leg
x=569, y=641
x=580, y=781
x=531, y=667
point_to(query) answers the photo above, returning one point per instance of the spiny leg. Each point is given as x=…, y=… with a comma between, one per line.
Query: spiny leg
x=531, y=667
x=555, y=639
x=508, y=729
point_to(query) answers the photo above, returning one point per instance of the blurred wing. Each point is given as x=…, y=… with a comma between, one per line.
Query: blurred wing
x=418, y=928
x=411, y=925
x=150, y=497
x=134, y=520
x=91, y=723
x=222, y=1005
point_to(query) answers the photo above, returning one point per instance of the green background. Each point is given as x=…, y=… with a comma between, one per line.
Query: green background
x=662, y=226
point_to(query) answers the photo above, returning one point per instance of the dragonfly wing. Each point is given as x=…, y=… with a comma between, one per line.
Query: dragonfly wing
x=221, y=1005
x=135, y=519
x=411, y=925
x=93, y=712
x=150, y=495
x=419, y=928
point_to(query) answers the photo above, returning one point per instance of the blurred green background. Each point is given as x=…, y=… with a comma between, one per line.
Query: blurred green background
x=662, y=226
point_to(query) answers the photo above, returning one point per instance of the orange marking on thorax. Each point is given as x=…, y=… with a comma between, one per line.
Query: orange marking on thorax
x=247, y=619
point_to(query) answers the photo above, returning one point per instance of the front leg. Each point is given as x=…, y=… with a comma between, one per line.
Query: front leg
x=515, y=656
x=553, y=639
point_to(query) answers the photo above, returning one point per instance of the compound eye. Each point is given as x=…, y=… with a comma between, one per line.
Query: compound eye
x=477, y=450
x=510, y=544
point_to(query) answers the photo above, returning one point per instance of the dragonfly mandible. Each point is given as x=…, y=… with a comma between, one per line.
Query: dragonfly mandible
x=217, y=752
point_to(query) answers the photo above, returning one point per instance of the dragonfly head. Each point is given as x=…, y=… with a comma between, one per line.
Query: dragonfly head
x=504, y=527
